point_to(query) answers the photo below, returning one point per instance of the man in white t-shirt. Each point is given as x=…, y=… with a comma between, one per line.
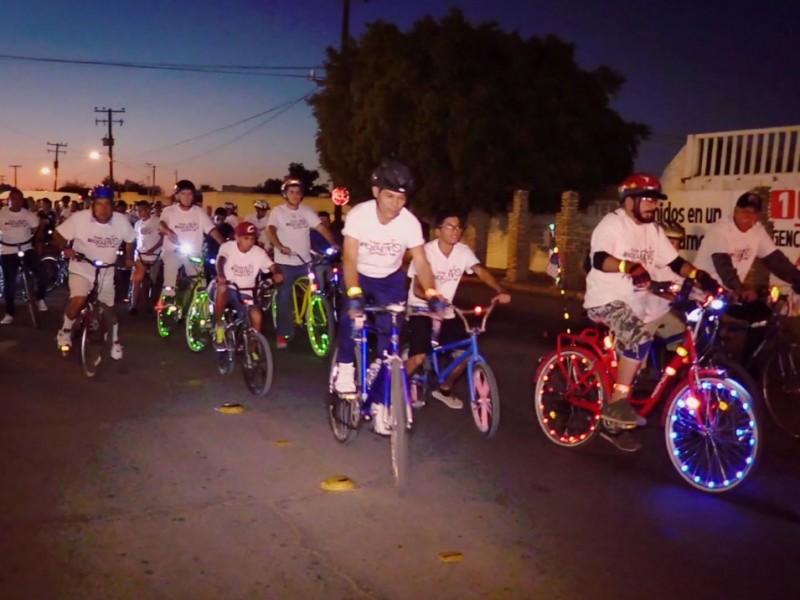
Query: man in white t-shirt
x=626, y=248
x=449, y=260
x=18, y=224
x=96, y=234
x=260, y=219
x=232, y=218
x=377, y=234
x=289, y=229
x=184, y=226
x=238, y=264
x=148, y=249
x=728, y=250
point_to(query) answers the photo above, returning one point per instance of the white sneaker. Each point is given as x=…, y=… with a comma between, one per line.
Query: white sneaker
x=7, y=320
x=345, y=378
x=64, y=338
x=42, y=306
x=116, y=351
x=379, y=417
x=449, y=399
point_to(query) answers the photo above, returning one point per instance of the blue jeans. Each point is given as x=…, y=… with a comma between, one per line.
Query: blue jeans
x=388, y=290
x=285, y=325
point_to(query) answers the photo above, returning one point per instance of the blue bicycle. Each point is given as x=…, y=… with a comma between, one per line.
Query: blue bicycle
x=484, y=396
x=381, y=395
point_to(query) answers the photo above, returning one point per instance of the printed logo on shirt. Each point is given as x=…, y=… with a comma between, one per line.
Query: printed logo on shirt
x=644, y=256
x=741, y=255
x=452, y=274
x=242, y=270
x=382, y=248
x=184, y=227
x=104, y=242
x=298, y=224
x=17, y=223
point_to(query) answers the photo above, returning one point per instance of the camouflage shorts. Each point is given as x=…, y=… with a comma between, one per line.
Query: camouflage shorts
x=629, y=330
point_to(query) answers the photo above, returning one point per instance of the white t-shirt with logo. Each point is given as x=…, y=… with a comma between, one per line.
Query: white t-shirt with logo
x=189, y=225
x=447, y=271
x=16, y=227
x=261, y=224
x=242, y=268
x=293, y=228
x=147, y=235
x=625, y=239
x=95, y=240
x=724, y=237
x=381, y=247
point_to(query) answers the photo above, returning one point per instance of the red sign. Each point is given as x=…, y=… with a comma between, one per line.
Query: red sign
x=783, y=204
x=340, y=196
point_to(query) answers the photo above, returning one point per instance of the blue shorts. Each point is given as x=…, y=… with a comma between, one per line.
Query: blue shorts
x=232, y=298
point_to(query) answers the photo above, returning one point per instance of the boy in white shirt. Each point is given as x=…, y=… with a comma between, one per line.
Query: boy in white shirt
x=449, y=259
x=148, y=244
x=288, y=228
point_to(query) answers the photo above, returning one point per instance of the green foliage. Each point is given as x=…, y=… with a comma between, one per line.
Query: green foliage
x=295, y=171
x=475, y=111
x=204, y=187
x=75, y=187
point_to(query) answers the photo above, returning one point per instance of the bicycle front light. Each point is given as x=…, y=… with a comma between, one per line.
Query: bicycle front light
x=694, y=316
x=185, y=249
x=717, y=304
x=212, y=261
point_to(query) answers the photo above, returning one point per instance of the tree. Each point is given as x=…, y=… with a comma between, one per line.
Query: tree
x=204, y=187
x=474, y=111
x=271, y=186
x=298, y=171
x=75, y=187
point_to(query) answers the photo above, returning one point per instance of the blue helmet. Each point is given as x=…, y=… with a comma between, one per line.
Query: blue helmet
x=102, y=191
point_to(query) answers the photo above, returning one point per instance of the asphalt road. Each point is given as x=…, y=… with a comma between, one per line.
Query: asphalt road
x=135, y=487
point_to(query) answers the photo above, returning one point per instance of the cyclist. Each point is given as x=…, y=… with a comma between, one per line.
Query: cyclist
x=212, y=247
x=449, y=259
x=49, y=219
x=232, y=218
x=96, y=234
x=728, y=250
x=377, y=234
x=259, y=218
x=626, y=247
x=183, y=225
x=288, y=229
x=18, y=224
x=148, y=242
x=239, y=262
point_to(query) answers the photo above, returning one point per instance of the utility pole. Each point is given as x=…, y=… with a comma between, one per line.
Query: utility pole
x=176, y=176
x=57, y=151
x=15, y=167
x=2, y=179
x=152, y=182
x=109, y=140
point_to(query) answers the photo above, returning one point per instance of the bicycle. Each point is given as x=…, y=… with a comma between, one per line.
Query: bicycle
x=711, y=426
x=55, y=271
x=190, y=292
x=484, y=396
x=25, y=276
x=93, y=326
x=148, y=289
x=242, y=339
x=310, y=307
x=386, y=375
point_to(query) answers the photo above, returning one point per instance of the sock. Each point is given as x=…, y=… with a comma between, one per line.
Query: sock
x=67, y=326
x=115, y=333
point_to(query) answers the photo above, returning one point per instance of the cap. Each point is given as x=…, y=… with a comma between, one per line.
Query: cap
x=246, y=228
x=749, y=200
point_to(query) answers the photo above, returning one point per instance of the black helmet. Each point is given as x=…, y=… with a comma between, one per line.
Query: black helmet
x=184, y=184
x=394, y=176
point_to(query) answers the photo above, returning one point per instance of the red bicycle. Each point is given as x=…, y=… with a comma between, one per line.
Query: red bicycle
x=710, y=422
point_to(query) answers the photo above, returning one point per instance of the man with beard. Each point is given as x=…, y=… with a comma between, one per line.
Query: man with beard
x=626, y=247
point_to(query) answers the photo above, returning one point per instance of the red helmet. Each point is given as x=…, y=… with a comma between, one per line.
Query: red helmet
x=641, y=185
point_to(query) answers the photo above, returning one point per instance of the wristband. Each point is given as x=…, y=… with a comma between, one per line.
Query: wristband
x=623, y=266
x=354, y=291
x=431, y=293
x=693, y=274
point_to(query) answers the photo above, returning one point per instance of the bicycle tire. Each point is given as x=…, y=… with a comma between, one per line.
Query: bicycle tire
x=717, y=449
x=30, y=297
x=320, y=325
x=198, y=324
x=344, y=415
x=257, y=369
x=165, y=320
x=52, y=272
x=560, y=418
x=225, y=358
x=485, y=399
x=421, y=383
x=780, y=383
x=94, y=341
x=399, y=428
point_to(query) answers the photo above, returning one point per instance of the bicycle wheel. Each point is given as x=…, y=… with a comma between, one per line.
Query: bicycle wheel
x=780, y=382
x=344, y=414
x=30, y=297
x=52, y=272
x=568, y=395
x=94, y=340
x=420, y=383
x=485, y=399
x=198, y=324
x=399, y=427
x=167, y=316
x=712, y=433
x=257, y=363
x=225, y=357
x=320, y=325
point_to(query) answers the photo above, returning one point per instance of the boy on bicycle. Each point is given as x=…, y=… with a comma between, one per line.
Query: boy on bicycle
x=148, y=244
x=96, y=234
x=239, y=262
x=449, y=259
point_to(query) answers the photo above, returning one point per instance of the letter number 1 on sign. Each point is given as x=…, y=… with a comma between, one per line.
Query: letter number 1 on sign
x=783, y=204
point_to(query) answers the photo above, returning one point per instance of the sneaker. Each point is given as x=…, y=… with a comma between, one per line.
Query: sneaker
x=116, y=351
x=345, y=378
x=379, y=424
x=42, y=306
x=219, y=337
x=64, y=338
x=282, y=342
x=622, y=414
x=448, y=398
x=7, y=320
x=623, y=441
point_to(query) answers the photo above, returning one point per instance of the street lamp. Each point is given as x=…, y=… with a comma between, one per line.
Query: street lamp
x=45, y=170
x=94, y=155
x=152, y=182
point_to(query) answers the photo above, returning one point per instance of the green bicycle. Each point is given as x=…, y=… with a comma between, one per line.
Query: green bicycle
x=190, y=301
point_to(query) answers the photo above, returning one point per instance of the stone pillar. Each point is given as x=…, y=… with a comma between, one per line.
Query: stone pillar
x=572, y=240
x=519, y=243
x=476, y=235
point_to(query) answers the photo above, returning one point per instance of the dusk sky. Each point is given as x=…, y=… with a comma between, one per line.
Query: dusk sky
x=691, y=67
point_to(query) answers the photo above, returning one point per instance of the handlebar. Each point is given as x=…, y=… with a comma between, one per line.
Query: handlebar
x=463, y=313
x=97, y=264
x=19, y=245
